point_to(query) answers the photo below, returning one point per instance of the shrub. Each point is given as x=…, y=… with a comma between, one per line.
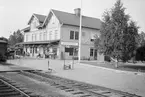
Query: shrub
x=107, y=58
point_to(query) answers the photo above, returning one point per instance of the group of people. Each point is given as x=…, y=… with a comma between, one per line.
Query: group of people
x=48, y=55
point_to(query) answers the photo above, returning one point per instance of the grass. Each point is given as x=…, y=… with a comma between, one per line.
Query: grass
x=121, y=66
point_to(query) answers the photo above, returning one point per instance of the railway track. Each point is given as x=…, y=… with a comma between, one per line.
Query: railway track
x=8, y=88
x=77, y=89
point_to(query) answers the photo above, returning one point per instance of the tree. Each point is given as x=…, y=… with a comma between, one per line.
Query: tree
x=142, y=39
x=130, y=41
x=117, y=33
x=16, y=37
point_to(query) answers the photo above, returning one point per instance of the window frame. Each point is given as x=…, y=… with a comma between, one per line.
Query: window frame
x=91, y=52
x=26, y=38
x=35, y=37
x=40, y=37
x=56, y=34
x=50, y=35
x=76, y=35
x=72, y=35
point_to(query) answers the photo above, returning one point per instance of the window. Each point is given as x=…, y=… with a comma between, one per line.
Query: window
x=69, y=50
x=71, y=34
x=34, y=23
x=95, y=53
x=91, y=52
x=44, y=36
x=35, y=37
x=76, y=35
x=32, y=37
x=40, y=36
x=50, y=35
x=26, y=37
x=55, y=34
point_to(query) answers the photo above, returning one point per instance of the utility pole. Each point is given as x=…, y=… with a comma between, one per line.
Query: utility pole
x=80, y=35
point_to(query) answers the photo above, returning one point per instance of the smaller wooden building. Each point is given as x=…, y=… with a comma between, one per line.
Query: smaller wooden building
x=3, y=47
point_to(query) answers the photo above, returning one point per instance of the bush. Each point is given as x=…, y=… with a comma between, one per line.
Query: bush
x=140, y=54
x=107, y=58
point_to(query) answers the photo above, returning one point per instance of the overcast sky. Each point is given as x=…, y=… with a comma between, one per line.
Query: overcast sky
x=15, y=14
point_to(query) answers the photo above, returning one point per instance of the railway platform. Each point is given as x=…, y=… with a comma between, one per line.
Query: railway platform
x=127, y=82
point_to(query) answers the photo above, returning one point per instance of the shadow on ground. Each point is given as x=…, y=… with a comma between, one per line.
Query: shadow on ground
x=133, y=67
x=5, y=63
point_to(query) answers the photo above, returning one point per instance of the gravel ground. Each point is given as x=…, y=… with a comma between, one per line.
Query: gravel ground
x=124, y=81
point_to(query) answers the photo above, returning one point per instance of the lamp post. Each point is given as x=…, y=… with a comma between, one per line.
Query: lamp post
x=80, y=35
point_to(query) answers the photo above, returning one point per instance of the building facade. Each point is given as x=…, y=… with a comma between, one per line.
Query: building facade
x=58, y=33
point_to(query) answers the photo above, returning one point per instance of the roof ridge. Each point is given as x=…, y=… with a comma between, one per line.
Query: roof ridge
x=74, y=14
x=39, y=14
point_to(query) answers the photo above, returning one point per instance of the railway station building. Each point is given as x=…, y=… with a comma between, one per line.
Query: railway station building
x=58, y=33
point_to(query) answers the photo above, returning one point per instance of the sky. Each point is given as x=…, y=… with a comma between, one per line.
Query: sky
x=15, y=14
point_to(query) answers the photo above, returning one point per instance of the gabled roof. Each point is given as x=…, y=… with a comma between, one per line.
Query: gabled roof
x=40, y=18
x=72, y=19
x=68, y=19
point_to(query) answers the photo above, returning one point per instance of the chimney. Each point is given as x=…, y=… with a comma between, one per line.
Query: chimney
x=77, y=11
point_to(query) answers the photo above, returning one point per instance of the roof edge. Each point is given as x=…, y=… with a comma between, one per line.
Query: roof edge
x=82, y=26
x=51, y=10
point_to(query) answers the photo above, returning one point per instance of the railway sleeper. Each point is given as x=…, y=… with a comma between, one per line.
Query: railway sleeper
x=75, y=93
x=108, y=93
x=69, y=90
x=16, y=96
x=87, y=95
x=77, y=85
x=10, y=94
x=63, y=87
x=2, y=85
x=7, y=90
x=4, y=88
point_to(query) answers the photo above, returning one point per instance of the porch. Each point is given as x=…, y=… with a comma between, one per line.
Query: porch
x=41, y=48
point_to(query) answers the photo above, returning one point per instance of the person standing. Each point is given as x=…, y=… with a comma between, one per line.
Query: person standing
x=48, y=64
